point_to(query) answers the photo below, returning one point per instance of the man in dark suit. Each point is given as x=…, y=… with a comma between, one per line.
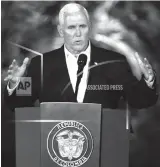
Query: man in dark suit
x=105, y=76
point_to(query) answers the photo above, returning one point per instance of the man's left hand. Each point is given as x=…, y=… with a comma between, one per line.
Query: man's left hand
x=146, y=68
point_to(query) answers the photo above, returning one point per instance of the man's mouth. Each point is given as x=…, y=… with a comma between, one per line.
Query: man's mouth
x=78, y=42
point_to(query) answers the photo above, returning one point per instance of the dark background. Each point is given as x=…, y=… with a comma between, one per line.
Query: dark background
x=134, y=24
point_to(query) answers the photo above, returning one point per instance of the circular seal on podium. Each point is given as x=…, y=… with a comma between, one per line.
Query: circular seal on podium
x=69, y=144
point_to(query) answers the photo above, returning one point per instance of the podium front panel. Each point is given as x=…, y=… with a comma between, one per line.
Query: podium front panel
x=70, y=134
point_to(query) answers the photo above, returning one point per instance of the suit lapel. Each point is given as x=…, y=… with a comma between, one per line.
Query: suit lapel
x=93, y=62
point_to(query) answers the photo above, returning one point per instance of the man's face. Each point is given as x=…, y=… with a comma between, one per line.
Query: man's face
x=75, y=32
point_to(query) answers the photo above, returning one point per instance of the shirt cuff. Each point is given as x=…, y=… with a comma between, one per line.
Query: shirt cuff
x=10, y=91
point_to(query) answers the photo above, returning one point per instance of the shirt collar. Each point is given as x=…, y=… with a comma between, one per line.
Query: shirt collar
x=87, y=52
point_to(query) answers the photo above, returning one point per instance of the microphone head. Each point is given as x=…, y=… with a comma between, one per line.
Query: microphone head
x=82, y=59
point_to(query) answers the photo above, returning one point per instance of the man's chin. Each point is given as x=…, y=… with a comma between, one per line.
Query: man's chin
x=78, y=48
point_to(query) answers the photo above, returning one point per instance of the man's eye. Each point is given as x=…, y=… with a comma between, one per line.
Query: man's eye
x=71, y=27
x=83, y=26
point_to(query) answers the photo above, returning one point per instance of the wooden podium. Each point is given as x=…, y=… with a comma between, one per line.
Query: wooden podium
x=71, y=135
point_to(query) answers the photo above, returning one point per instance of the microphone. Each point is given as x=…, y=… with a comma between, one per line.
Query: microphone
x=82, y=60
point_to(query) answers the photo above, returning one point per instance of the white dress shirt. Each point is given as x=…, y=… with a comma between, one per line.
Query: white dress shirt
x=72, y=66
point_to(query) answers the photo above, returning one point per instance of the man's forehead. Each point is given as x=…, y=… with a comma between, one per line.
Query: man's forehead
x=80, y=15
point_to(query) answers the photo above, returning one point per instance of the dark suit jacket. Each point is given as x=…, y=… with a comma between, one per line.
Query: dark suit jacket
x=56, y=77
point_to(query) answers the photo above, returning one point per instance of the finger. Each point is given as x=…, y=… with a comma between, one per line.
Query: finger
x=6, y=78
x=13, y=68
x=10, y=72
x=10, y=67
x=25, y=62
x=139, y=59
x=149, y=67
x=146, y=61
x=147, y=64
x=150, y=71
x=9, y=77
x=14, y=63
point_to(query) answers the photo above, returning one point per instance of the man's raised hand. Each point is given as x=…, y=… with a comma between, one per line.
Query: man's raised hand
x=146, y=68
x=15, y=72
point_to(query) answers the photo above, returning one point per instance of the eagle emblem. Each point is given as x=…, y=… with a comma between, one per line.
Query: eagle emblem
x=72, y=146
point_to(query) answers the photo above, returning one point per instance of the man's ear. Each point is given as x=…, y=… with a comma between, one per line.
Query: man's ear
x=60, y=30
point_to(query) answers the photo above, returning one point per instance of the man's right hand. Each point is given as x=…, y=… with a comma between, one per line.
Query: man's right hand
x=15, y=72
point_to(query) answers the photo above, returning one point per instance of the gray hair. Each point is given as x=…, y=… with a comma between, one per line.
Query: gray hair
x=69, y=9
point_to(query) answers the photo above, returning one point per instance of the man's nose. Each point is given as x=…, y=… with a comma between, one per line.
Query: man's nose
x=78, y=32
